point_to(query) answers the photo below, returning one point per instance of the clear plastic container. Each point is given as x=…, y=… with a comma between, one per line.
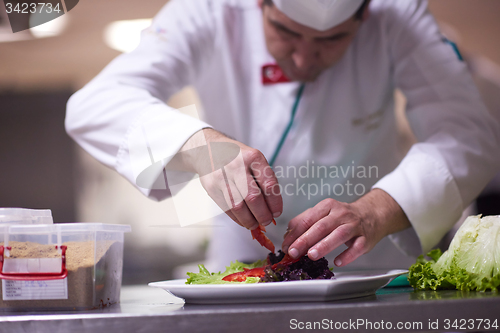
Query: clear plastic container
x=60, y=266
x=25, y=216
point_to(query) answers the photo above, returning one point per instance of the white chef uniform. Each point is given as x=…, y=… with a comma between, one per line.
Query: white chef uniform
x=344, y=119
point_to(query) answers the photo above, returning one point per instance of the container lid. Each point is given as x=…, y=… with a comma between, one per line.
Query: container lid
x=63, y=227
x=25, y=216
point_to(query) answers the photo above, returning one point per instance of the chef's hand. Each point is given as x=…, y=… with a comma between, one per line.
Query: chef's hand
x=359, y=225
x=245, y=188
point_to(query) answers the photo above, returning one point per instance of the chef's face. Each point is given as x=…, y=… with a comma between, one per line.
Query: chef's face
x=304, y=53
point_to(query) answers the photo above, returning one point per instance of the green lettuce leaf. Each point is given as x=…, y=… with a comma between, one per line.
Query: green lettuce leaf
x=472, y=261
x=205, y=277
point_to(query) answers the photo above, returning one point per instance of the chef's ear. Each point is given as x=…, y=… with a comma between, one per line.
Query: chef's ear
x=260, y=2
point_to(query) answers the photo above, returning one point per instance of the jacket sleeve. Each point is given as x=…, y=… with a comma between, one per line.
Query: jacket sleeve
x=458, y=140
x=121, y=118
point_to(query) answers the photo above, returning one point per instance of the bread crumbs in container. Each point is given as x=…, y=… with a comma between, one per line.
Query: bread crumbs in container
x=64, y=266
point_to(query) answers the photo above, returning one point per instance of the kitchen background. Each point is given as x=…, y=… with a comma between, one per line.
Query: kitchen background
x=41, y=167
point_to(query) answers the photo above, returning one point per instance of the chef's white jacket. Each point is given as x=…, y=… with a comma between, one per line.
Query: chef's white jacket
x=345, y=119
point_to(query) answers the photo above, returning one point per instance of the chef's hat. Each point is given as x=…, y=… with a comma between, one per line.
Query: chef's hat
x=318, y=14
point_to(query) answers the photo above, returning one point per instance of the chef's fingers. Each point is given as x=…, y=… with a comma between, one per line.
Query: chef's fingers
x=228, y=203
x=325, y=244
x=239, y=211
x=302, y=222
x=357, y=248
x=220, y=200
x=298, y=225
x=324, y=236
x=248, y=191
x=239, y=208
x=221, y=191
x=233, y=217
x=246, y=201
x=244, y=215
x=233, y=194
x=247, y=185
x=215, y=186
x=268, y=183
x=256, y=203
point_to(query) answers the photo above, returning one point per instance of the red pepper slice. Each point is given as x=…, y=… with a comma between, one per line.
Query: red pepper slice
x=242, y=276
x=259, y=235
x=287, y=260
x=257, y=272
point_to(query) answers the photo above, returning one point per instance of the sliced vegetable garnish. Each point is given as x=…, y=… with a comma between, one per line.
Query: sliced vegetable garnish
x=259, y=235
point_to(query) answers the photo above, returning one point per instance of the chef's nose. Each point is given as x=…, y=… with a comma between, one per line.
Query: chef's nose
x=305, y=55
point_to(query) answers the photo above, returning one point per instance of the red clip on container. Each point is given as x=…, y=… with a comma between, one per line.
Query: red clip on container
x=16, y=276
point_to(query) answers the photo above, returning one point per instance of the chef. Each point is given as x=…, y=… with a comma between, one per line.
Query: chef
x=304, y=90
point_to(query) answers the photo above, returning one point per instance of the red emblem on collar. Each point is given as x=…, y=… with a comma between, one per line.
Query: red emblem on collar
x=272, y=74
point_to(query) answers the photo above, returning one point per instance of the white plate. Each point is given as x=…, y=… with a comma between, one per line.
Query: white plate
x=344, y=285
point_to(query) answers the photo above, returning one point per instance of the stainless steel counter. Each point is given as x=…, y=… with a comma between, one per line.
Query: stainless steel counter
x=145, y=309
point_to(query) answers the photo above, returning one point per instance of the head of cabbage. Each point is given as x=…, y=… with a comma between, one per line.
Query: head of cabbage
x=472, y=262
